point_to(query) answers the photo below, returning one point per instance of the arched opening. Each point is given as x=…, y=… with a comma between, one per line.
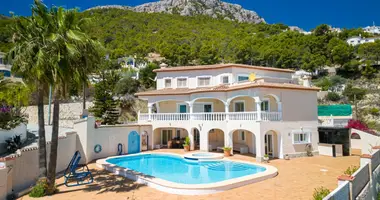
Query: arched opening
x=355, y=136
x=215, y=140
x=208, y=109
x=170, y=138
x=271, y=143
x=172, y=106
x=356, y=144
x=269, y=103
x=243, y=142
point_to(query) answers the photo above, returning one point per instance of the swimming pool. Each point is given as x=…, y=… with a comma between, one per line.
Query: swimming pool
x=178, y=170
x=175, y=174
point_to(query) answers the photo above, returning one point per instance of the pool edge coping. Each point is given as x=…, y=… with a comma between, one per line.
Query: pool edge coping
x=270, y=172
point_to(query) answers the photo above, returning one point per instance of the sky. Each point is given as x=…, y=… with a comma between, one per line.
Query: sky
x=305, y=14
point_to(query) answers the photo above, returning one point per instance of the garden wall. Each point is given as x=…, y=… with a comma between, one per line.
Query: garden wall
x=108, y=137
x=363, y=184
x=22, y=170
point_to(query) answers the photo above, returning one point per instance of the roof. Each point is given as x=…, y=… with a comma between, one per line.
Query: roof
x=335, y=110
x=221, y=66
x=224, y=88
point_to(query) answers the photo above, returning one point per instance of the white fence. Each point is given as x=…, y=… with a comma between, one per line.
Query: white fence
x=363, y=184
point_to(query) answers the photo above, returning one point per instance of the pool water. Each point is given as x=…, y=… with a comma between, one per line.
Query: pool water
x=176, y=169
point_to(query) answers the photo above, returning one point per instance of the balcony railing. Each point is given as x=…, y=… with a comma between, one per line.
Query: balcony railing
x=213, y=116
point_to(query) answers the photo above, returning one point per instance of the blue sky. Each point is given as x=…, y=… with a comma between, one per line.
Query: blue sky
x=303, y=13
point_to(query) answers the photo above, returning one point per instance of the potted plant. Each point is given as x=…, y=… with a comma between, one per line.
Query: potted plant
x=227, y=151
x=266, y=157
x=98, y=122
x=186, y=145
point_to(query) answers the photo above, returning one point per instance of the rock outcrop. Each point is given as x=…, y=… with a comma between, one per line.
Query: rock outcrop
x=213, y=8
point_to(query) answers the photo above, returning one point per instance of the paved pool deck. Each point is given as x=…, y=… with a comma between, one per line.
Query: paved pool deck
x=297, y=179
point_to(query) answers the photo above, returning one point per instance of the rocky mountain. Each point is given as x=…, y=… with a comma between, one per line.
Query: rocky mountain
x=213, y=8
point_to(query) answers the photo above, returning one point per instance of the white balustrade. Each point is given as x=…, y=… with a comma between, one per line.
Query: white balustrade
x=251, y=116
x=212, y=116
x=271, y=116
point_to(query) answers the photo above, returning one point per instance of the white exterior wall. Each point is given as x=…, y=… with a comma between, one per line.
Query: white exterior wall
x=366, y=141
x=19, y=130
x=106, y=136
x=216, y=75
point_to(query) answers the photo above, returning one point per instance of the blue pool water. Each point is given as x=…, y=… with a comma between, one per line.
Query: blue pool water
x=176, y=169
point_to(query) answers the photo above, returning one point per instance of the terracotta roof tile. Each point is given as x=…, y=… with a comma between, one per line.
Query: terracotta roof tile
x=224, y=88
x=220, y=66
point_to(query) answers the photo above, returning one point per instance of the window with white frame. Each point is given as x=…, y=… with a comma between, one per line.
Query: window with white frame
x=241, y=135
x=181, y=82
x=168, y=83
x=301, y=137
x=265, y=105
x=225, y=80
x=242, y=78
x=204, y=81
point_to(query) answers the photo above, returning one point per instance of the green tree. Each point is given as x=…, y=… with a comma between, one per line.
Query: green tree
x=353, y=93
x=105, y=102
x=147, y=76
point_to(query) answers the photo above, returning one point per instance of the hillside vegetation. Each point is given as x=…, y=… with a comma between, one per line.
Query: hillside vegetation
x=204, y=40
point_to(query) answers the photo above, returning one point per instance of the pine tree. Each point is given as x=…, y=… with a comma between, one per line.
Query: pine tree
x=106, y=104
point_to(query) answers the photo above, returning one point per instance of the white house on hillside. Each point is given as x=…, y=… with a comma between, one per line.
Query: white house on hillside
x=359, y=40
x=254, y=110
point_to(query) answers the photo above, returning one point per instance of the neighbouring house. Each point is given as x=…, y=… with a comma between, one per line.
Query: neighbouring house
x=334, y=115
x=255, y=110
x=359, y=40
x=5, y=69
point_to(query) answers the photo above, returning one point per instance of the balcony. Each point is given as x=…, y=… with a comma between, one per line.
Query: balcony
x=213, y=116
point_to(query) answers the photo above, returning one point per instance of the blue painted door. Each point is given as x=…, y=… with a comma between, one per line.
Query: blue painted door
x=133, y=142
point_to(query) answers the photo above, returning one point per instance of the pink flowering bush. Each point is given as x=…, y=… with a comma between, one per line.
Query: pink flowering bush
x=10, y=117
x=357, y=124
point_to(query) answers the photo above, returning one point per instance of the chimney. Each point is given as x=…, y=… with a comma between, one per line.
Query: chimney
x=163, y=65
x=306, y=81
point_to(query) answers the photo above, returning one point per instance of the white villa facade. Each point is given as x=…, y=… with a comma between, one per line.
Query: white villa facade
x=359, y=40
x=254, y=110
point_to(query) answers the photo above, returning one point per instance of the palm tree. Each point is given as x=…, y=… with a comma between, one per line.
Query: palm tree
x=74, y=55
x=29, y=59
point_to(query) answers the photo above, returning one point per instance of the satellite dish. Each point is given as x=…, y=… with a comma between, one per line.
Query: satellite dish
x=252, y=77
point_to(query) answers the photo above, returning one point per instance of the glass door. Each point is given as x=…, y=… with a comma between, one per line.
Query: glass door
x=269, y=145
x=166, y=135
x=196, y=137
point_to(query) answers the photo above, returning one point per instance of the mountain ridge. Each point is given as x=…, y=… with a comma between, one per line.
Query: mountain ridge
x=212, y=8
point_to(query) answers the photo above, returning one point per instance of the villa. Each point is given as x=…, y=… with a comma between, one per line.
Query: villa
x=254, y=110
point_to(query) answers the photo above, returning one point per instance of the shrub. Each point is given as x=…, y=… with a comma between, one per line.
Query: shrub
x=227, y=148
x=10, y=117
x=39, y=190
x=333, y=96
x=320, y=193
x=356, y=124
x=13, y=144
x=351, y=170
x=187, y=141
x=373, y=111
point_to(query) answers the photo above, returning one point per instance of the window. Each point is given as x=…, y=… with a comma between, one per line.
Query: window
x=242, y=78
x=239, y=106
x=204, y=81
x=181, y=82
x=301, y=138
x=225, y=80
x=1, y=61
x=265, y=105
x=168, y=83
x=241, y=135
